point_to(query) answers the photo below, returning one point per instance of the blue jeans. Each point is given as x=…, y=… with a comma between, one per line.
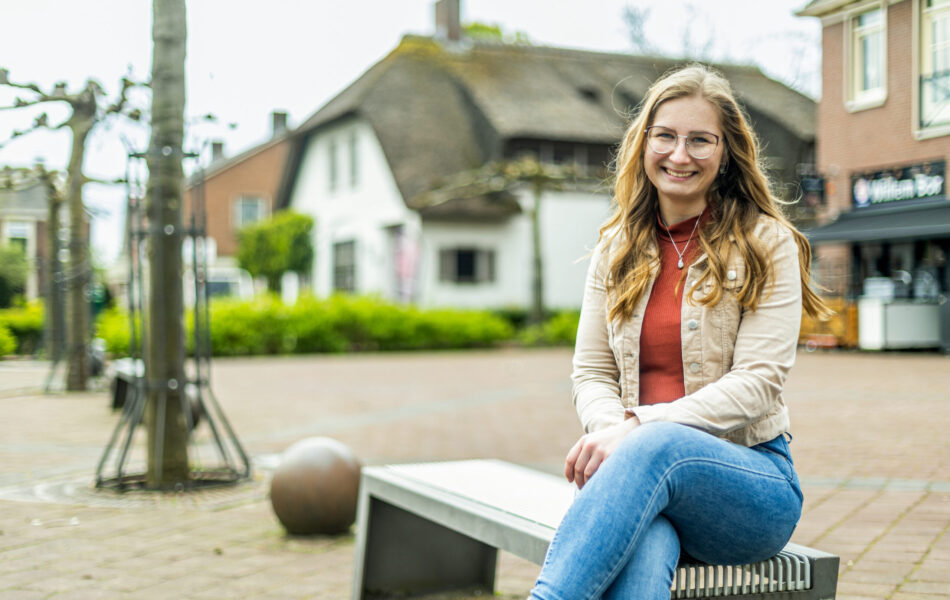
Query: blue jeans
x=666, y=489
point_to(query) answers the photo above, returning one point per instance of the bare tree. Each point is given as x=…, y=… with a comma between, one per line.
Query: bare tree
x=635, y=18
x=166, y=414
x=698, y=34
x=88, y=109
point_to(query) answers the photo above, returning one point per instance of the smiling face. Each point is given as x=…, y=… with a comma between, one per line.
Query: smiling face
x=683, y=182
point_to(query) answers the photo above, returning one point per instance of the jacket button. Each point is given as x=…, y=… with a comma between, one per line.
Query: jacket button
x=692, y=324
x=694, y=367
x=731, y=275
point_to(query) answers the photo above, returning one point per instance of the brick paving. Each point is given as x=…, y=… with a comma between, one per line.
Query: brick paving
x=871, y=446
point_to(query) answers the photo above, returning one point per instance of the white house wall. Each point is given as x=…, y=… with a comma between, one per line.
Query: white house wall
x=569, y=225
x=570, y=222
x=360, y=211
x=511, y=243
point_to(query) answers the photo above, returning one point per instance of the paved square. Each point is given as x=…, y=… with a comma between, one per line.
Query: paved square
x=871, y=446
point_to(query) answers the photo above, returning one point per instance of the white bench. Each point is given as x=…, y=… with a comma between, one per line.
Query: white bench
x=432, y=527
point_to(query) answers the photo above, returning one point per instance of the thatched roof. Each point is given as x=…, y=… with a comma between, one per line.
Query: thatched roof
x=438, y=110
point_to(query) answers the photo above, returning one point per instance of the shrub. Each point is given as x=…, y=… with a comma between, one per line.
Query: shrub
x=14, y=268
x=113, y=327
x=559, y=330
x=26, y=325
x=7, y=342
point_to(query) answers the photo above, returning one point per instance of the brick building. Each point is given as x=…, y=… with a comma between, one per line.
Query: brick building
x=883, y=137
x=239, y=190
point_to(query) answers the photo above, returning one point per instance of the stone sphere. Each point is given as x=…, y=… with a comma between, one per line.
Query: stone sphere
x=315, y=488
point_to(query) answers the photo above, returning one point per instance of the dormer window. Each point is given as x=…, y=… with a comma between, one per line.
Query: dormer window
x=589, y=93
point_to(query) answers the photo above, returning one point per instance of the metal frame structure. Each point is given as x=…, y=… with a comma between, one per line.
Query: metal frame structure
x=198, y=402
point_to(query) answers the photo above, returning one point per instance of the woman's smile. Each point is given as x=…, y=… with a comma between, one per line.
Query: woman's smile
x=678, y=174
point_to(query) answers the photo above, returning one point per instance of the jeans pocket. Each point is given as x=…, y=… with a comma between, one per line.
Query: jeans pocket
x=778, y=452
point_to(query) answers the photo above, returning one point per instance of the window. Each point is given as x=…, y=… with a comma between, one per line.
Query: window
x=332, y=166
x=18, y=234
x=248, y=210
x=344, y=266
x=467, y=265
x=868, y=60
x=934, y=96
x=354, y=159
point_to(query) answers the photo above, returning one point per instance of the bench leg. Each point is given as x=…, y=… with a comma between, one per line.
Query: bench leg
x=401, y=554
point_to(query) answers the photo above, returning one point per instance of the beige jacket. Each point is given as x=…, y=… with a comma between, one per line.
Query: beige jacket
x=735, y=361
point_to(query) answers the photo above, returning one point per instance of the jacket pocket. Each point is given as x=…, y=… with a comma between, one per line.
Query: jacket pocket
x=728, y=311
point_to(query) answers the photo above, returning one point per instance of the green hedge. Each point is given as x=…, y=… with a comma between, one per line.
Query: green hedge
x=26, y=325
x=337, y=324
x=7, y=341
x=559, y=330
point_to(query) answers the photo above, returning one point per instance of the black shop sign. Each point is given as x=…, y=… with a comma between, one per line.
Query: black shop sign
x=898, y=184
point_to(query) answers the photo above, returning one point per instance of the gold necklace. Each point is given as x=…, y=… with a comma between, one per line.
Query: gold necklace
x=680, y=264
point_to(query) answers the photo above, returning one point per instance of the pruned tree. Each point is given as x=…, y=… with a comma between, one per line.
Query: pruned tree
x=166, y=419
x=88, y=108
x=498, y=177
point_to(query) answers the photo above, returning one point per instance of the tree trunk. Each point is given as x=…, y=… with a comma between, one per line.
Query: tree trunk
x=79, y=266
x=54, y=274
x=164, y=354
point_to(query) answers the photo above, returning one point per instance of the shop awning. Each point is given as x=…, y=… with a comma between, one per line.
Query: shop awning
x=921, y=221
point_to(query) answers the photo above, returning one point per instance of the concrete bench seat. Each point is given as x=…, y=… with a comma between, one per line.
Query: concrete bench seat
x=431, y=527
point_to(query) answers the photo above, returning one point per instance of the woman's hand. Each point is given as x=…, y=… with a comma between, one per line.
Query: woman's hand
x=593, y=449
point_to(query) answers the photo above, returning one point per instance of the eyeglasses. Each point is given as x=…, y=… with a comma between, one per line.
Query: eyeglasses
x=699, y=144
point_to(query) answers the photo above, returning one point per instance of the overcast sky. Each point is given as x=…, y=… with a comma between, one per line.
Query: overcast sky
x=247, y=58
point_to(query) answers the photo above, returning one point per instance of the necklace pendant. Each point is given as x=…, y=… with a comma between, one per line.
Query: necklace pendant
x=680, y=263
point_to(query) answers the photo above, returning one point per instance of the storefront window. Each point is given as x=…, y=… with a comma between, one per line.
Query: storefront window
x=935, y=63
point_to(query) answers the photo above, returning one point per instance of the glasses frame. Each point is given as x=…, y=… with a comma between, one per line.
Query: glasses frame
x=685, y=142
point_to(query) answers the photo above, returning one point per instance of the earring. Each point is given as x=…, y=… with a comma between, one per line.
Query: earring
x=722, y=168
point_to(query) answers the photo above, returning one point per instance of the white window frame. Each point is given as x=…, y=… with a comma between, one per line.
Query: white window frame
x=17, y=229
x=238, y=212
x=862, y=100
x=919, y=39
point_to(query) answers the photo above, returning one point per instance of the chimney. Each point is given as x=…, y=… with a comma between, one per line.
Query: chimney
x=278, y=122
x=217, y=150
x=447, y=21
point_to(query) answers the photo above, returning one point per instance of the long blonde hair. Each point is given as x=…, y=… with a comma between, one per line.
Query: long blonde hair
x=737, y=198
